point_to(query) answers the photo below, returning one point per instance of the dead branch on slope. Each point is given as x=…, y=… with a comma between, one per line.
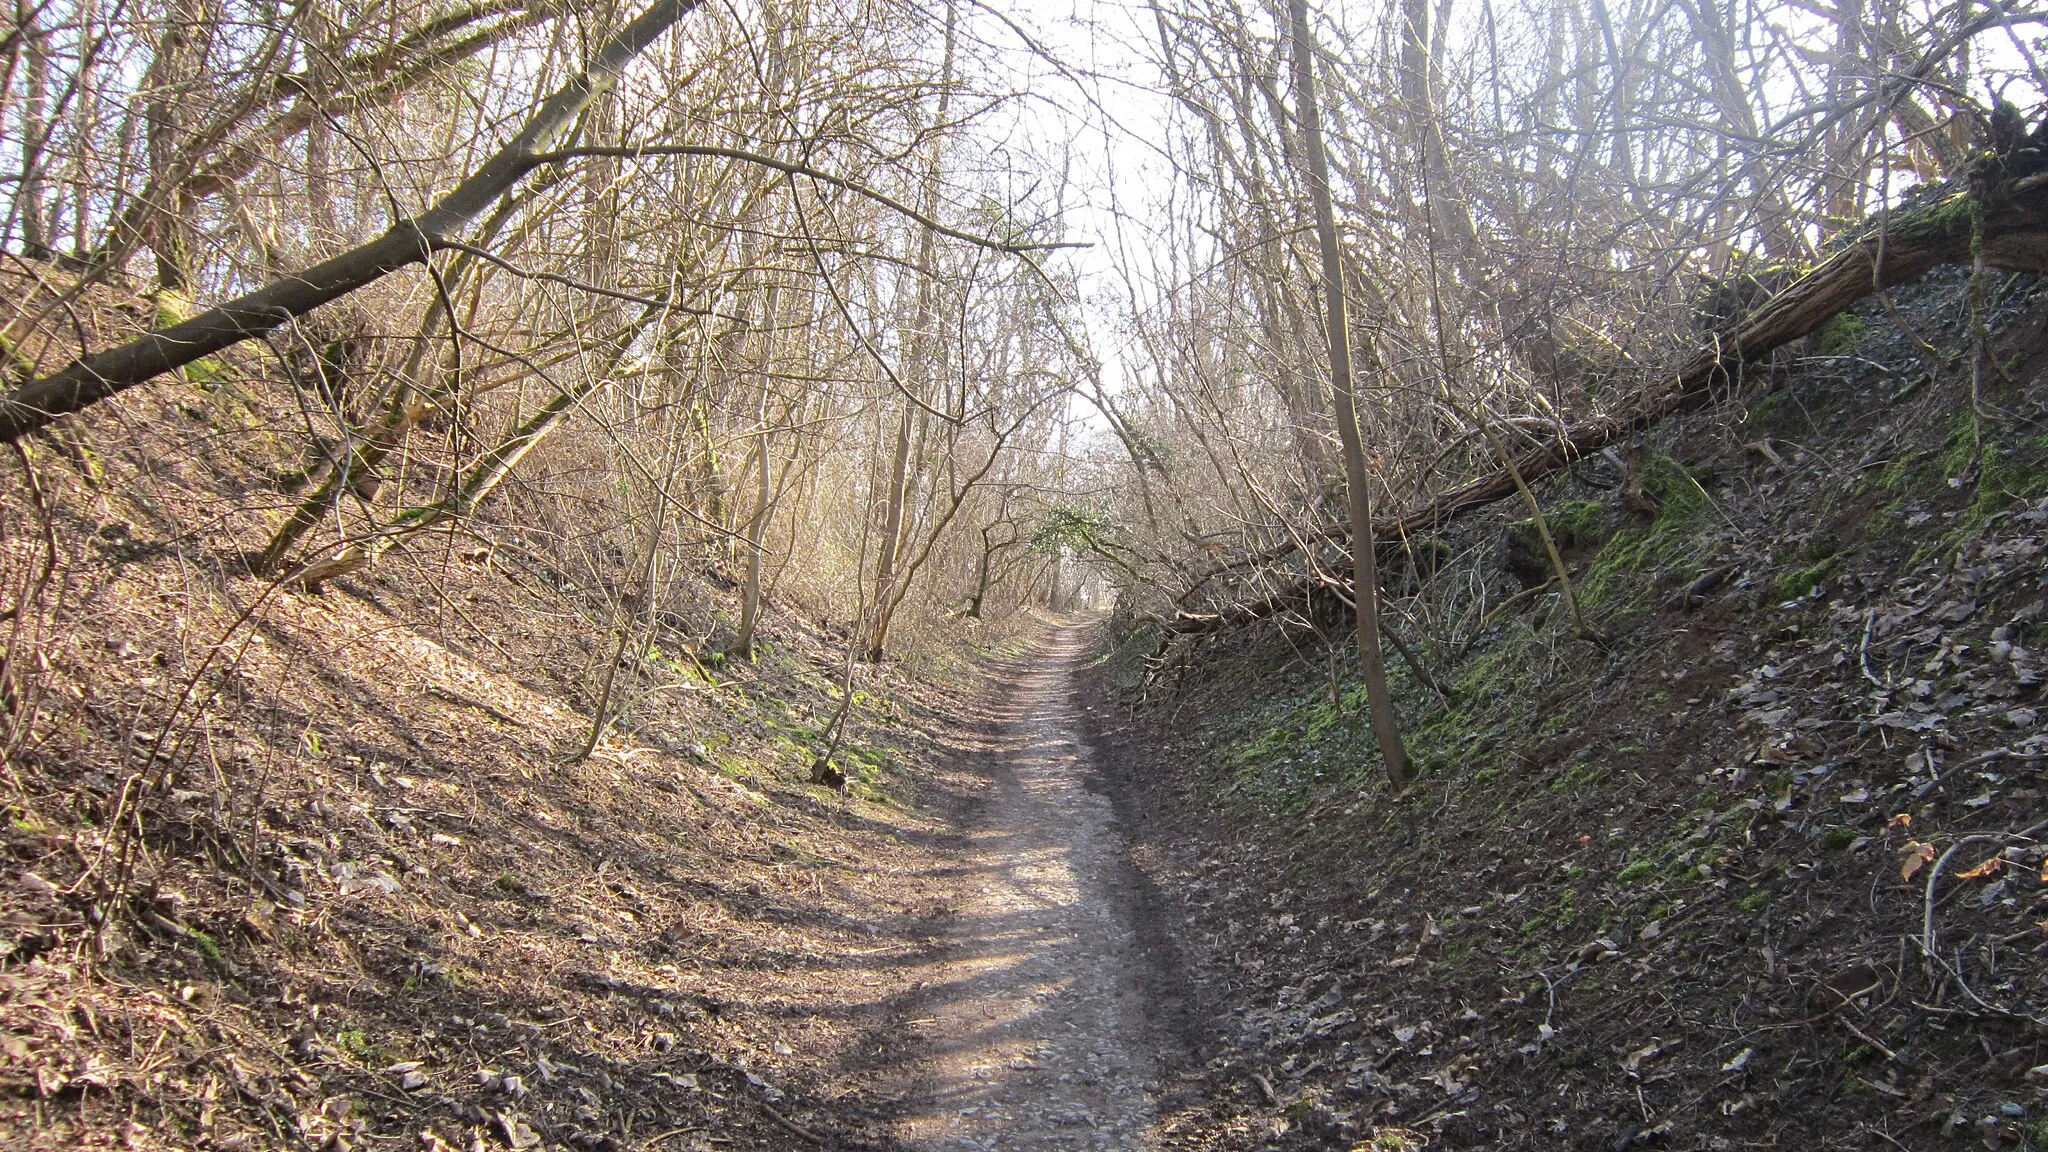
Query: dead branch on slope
x=2004, y=207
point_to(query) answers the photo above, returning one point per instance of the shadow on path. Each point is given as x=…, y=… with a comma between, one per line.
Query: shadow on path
x=1038, y=1023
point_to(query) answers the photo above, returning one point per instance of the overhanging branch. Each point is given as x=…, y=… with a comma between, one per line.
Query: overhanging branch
x=795, y=168
x=90, y=379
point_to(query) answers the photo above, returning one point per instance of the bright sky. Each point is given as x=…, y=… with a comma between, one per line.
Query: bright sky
x=1088, y=115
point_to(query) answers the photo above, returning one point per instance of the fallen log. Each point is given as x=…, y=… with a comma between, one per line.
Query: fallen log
x=2005, y=203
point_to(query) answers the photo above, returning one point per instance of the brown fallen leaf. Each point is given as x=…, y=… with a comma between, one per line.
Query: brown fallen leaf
x=518, y=1133
x=1770, y=753
x=258, y=926
x=1987, y=867
x=1902, y=820
x=1917, y=856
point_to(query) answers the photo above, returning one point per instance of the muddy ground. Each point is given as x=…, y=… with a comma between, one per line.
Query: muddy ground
x=1051, y=1018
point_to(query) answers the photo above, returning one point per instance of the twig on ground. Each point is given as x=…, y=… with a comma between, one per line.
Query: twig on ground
x=1863, y=652
x=1928, y=942
x=2002, y=753
x=798, y=1129
x=1265, y=1088
x=1873, y=1041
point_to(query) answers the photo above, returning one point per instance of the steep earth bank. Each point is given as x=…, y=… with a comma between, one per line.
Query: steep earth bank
x=342, y=869
x=1758, y=865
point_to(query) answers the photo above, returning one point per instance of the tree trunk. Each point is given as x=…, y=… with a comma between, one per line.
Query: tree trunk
x=172, y=77
x=320, y=73
x=91, y=41
x=898, y=493
x=1364, y=564
x=984, y=572
x=764, y=476
x=894, y=497
x=35, y=132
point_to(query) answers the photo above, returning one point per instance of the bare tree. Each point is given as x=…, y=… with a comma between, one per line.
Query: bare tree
x=1365, y=580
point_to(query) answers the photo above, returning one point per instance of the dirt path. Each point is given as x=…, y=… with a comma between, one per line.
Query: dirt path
x=1038, y=1006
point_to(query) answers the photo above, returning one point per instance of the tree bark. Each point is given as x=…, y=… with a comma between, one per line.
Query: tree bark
x=173, y=73
x=764, y=476
x=895, y=498
x=320, y=73
x=35, y=132
x=920, y=345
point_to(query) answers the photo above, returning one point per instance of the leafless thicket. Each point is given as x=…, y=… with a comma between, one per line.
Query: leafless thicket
x=1547, y=212
x=730, y=291
x=762, y=292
